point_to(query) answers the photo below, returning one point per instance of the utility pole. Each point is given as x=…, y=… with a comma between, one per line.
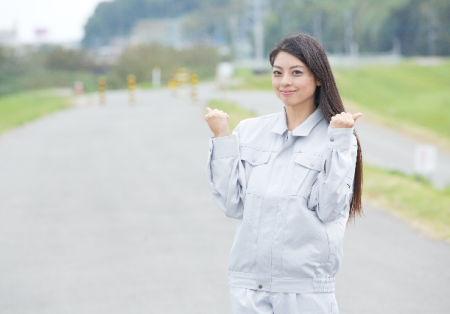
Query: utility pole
x=244, y=30
x=431, y=47
x=348, y=31
x=317, y=27
x=233, y=26
x=283, y=12
x=396, y=46
x=350, y=46
x=286, y=23
x=258, y=29
x=252, y=23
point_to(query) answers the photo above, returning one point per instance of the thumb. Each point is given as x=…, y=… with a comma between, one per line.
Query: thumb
x=208, y=109
x=356, y=116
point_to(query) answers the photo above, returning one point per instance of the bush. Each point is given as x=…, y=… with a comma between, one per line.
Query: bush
x=140, y=61
x=45, y=67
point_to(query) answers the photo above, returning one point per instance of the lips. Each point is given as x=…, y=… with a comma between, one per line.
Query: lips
x=287, y=92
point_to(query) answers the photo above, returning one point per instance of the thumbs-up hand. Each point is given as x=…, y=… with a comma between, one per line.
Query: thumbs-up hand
x=217, y=122
x=344, y=120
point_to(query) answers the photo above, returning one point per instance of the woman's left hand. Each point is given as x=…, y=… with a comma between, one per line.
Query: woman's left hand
x=344, y=120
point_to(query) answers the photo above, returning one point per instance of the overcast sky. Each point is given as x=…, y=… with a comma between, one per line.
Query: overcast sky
x=63, y=19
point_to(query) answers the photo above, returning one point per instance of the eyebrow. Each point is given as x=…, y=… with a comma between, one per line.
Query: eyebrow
x=294, y=66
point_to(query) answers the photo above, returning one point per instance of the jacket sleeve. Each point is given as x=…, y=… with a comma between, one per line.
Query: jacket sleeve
x=226, y=174
x=332, y=192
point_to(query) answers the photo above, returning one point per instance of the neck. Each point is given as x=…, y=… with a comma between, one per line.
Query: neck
x=296, y=115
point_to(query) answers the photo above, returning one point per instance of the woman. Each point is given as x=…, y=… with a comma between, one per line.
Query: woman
x=293, y=179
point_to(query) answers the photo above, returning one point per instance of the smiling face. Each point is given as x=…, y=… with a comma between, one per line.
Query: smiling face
x=292, y=81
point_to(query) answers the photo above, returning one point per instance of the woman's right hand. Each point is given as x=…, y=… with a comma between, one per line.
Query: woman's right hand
x=218, y=122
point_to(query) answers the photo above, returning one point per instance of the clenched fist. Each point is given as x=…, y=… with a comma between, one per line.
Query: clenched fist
x=218, y=122
x=344, y=120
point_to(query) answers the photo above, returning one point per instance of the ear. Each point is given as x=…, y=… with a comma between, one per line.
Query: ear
x=318, y=83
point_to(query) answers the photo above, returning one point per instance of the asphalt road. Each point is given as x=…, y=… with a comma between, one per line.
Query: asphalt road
x=107, y=210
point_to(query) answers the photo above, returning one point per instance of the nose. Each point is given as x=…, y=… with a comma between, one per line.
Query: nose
x=285, y=81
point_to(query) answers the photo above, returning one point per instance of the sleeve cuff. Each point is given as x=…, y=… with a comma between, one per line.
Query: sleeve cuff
x=222, y=147
x=339, y=138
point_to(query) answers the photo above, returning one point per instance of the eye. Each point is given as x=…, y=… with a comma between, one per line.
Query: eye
x=296, y=72
x=276, y=72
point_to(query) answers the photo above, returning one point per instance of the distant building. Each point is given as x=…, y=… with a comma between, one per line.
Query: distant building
x=166, y=32
x=9, y=38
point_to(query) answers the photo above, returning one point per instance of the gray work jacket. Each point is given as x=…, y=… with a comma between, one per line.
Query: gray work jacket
x=291, y=192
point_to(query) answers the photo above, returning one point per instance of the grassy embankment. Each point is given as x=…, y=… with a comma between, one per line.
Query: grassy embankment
x=403, y=195
x=17, y=109
x=407, y=97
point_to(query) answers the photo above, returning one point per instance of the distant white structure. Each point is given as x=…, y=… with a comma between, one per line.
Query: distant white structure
x=156, y=77
x=224, y=73
x=9, y=37
x=166, y=32
x=425, y=160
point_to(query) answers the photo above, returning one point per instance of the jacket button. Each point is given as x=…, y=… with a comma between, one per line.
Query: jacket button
x=254, y=159
x=260, y=286
x=332, y=139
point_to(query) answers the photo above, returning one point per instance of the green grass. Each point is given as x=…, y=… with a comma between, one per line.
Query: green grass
x=414, y=200
x=408, y=97
x=17, y=109
x=145, y=85
x=44, y=79
x=404, y=93
x=235, y=112
x=252, y=81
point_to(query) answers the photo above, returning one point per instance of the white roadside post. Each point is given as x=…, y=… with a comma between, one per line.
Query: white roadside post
x=224, y=73
x=78, y=88
x=156, y=77
x=425, y=159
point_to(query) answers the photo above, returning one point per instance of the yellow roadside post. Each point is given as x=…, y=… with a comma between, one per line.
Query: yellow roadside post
x=181, y=77
x=194, y=86
x=102, y=89
x=131, y=80
x=173, y=86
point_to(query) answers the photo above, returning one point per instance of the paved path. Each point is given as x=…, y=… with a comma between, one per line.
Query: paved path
x=388, y=268
x=381, y=147
x=107, y=210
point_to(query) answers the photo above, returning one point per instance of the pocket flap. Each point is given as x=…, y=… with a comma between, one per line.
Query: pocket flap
x=309, y=161
x=253, y=156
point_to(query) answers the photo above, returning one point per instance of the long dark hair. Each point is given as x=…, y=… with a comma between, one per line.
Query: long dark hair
x=327, y=98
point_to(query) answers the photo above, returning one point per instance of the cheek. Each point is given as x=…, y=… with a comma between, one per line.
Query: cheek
x=275, y=83
x=309, y=85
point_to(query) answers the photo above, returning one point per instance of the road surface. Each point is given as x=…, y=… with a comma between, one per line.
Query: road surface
x=107, y=210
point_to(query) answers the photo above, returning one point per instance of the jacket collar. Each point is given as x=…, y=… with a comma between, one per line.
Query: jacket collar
x=303, y=129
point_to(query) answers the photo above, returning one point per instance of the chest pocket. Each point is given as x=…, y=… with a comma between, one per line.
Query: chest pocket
x=306, y=170
x=253, y=156
x=254, y=160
